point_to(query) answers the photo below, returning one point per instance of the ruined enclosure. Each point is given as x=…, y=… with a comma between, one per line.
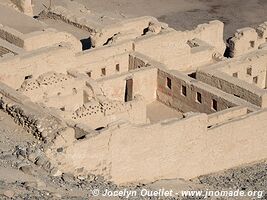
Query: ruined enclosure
x=116, y=97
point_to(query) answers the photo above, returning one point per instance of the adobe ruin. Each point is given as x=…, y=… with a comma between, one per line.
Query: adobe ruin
x=142, y=95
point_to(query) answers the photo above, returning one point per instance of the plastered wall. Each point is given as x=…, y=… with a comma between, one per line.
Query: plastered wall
x=175, y=98
x=113, y=65
x=39, y=39
x=179, y=149
x=241, y=141
x=231, y=85
x=131, y=154
x=247, y=68
x=14, y=70
x=102, y=113
x=24, y=6
x=170, y=47
x=144, y=84
x=247, y=40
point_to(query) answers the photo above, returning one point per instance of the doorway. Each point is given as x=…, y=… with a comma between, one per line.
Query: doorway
x=128, y=96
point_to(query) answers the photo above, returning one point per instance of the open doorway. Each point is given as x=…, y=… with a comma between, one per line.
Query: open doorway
x=86, y=43
x=128, y=96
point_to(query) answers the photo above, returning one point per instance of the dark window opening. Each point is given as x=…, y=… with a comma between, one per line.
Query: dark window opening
x=199, y=98
x=255, y=79
x=99, y=128
x=103, y=71
x=128, y=95
x=110, y=40
x=236, y=95
x=252, y=44
x=235, y=75
x=192, y=43
x=89, y=74
x=133, y=47
x=145, y=31
x=28, y=77
x=227, y=52
x=183, y=90
x=193, y=75
x=74, y=91
x=169, y=83
x=249, y=71
x=86, y=44
x=81, y=137
x=214, y=105
x=117, y=67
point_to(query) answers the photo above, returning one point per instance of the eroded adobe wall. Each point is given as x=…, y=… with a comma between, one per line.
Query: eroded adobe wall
x=171, y=47
x=179, y=148
x=185, y=100
x=144, y=84
x=102, y=112
x=168, y=47
x=238, y=142
x=14, y=70
x=112, y=65
x=129, y=154
x=61, y=91
x=251, y=68
x=24, y=6
x=212, y=33
x=39, y=39
x=231, y=85
x=11, y=35
x=247, y=40
x=50, y=37
x=33, y=118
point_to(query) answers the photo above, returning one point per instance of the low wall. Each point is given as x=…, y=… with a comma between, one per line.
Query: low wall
x=237, y=142
x=226, y=115
x=178, y=148
x=39, y=39
x=101, y=113
x=11, y=35
x=36, y=120
x=130, y=154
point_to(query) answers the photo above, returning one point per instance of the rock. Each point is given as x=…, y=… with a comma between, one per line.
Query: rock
x=2, y=118
x=27, y=169
x=40, y=161
x=9, y=193
x=59, y=150
x=30, y=185
x=20, y=151
x=6, y=156
x=55, y=172
x=69, y=178
x=40, y=184
x=32, y=157
x=82, y=177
